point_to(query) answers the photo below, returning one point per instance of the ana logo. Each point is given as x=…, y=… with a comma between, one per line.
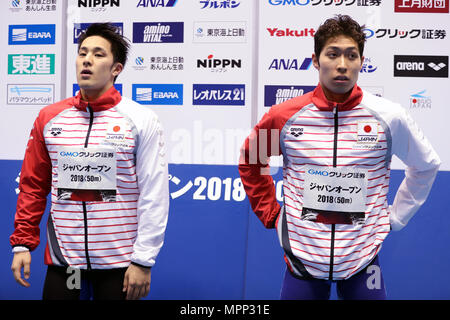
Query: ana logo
x=290, y=64
x=367, y=132
x=421, y=66
x=296, y=132
x=55, y=131
x=218, y=65
x=156, y=3
x=158, y=32
x=31, y=34
x=98, y=3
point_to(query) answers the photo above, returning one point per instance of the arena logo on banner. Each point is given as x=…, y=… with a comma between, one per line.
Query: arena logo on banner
x=218, y=65
x=98, y=3
x=79, y=28
x=30, y=94
x=156, y=3
x=277, y=94
x=337, y=3
x=158, y=94
x=421, y=66
x=37, y=34
x=290, y=64
x=218, y=94
x=431, y=6
x=158, y=32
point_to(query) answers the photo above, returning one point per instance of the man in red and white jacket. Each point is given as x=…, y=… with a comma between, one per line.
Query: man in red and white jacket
x=102, y=158
x=337, y=143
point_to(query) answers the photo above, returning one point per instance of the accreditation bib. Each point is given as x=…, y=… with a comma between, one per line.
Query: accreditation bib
x=87, y=174
x=333, y=189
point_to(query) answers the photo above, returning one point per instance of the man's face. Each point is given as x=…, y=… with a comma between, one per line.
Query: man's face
x=339, y=64
x=95, y=67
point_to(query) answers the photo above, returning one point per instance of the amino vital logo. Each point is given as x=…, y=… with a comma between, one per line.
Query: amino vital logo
x=290, y=64
x=277, y=94
x=98, y=3
x=158, y=32
x=156, y=3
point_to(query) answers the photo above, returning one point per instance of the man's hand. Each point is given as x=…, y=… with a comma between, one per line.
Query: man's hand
x=21, y=260
x=136, y=282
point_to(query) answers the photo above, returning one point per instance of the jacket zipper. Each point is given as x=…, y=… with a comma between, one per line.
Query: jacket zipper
x=86, y=142
x=333, y=226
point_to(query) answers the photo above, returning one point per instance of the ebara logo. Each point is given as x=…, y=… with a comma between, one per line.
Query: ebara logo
x=36, y=34
x=158, y=94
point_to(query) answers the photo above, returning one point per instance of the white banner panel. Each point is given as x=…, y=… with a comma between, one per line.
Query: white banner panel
x=30, y=71
x=406, y=56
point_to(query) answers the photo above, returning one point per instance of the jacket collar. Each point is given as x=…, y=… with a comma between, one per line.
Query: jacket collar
x=108, y=100
x=321, y=101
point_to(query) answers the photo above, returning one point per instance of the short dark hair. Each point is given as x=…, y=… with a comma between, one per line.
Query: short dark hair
x=339, y=25
x=119, y=44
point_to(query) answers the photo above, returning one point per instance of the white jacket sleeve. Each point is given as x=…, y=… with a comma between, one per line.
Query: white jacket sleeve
x=422, y=162
x=153, y=183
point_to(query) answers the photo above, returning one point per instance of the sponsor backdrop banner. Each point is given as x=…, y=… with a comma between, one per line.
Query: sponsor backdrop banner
x=210, y=70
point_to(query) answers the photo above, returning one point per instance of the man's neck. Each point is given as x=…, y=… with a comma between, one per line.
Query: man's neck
x=92, y=95
x=336, y=97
